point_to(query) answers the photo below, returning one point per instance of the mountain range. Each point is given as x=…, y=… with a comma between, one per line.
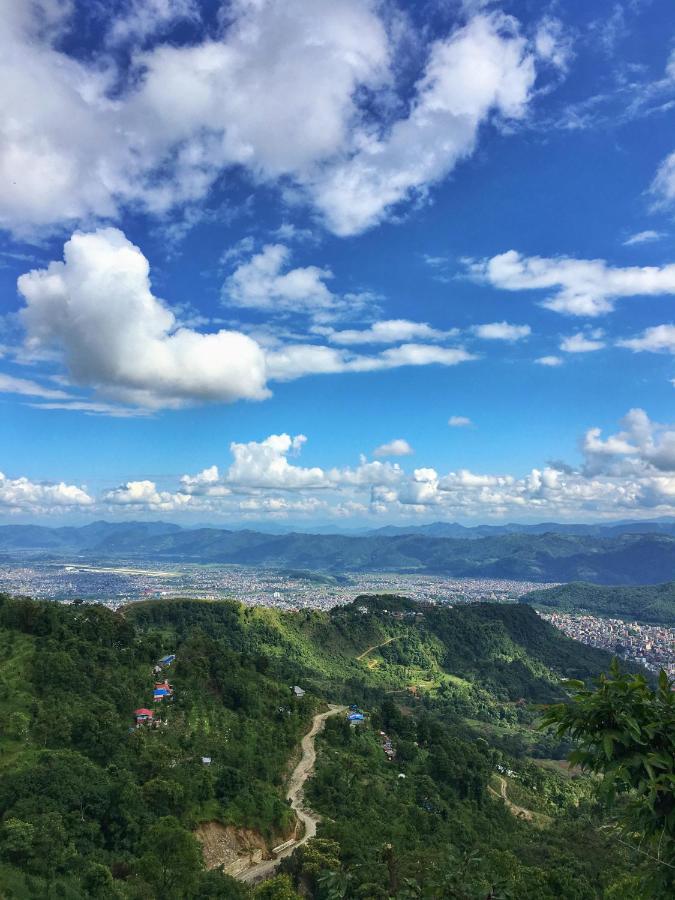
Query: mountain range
x=619, y=558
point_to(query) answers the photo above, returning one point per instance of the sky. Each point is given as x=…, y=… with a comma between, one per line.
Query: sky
x=339, y=262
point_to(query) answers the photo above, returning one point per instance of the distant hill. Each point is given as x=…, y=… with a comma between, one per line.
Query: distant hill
x=648, y=603
x=619, y=559
x=454, y=529
x=83, y=538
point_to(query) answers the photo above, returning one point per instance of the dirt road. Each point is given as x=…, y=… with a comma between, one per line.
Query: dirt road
x=296, y=784
x=375, y=647
x=520, y=811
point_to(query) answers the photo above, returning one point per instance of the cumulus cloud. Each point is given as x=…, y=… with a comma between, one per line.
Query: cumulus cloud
x=97, y=309
x=485, y=68
x=582, y=342
x=284, y=92
x=582, y=287
x=22, y=495
x=628, y=472
x=657, y=339
x=502, y=331
x=397, y=447
x=145, y=494
x=265, y=464
x=276, y=93
x=641, y=444
x=459, y=421
x=267, y=282
x=96, y=312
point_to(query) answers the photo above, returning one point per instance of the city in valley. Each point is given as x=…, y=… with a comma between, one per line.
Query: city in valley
x=126, y=582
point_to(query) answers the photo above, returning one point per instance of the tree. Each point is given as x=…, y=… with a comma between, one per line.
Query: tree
x=625, y=731
x=279, y=888
x=172, y=859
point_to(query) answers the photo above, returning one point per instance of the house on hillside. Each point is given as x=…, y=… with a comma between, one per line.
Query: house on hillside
x=167, y=660
x=143, y=716
x=298, y=692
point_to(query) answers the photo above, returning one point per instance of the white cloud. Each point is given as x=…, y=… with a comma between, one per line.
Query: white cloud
x=639, y=448
x=23, y=495
x=207, y=483
x=397, y=447
x=265, y=464
x=390, y=331
x=485, y=68
x=144, y=18
x=98, y=310
x=94, y=408
x=297, y=360
x=658, y=338
x=629, y=472
x=643, y=237
x=262, y=283
x=502, y=331
x=145, y=494
x=459, y=421
x=552, y=44
x=583, y=342
x=663, y=185
x=285, y=92
x=28, y=388
x=583, y=287
x=275, y=94
x=549, y=361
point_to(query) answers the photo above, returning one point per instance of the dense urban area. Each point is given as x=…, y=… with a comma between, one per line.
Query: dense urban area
x=115, y=585
x=652, y=646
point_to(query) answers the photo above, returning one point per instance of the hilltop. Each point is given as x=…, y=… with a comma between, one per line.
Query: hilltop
x=648, y=603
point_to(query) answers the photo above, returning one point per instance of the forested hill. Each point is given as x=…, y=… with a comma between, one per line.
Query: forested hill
x=647, y=603
x=625, y=559
x=93, y=805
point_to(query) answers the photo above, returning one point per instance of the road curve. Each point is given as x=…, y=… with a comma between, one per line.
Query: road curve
x=295, y=794
x=377, y=646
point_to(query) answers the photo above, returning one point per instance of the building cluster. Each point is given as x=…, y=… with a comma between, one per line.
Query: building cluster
x=161, y=693
x=652, y=646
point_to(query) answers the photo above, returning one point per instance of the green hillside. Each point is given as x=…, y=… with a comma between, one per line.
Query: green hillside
x=91, y=806
x=647, y=603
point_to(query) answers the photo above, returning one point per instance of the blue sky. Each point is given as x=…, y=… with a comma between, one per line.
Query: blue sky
x=341, y=262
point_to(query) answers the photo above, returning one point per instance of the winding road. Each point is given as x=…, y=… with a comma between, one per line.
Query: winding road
x=375, y=647
x=519, y=811
x=295, y=794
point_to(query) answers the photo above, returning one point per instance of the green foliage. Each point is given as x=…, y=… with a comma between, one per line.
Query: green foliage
x=645, y=603
x=90, y=807
x=626, y=732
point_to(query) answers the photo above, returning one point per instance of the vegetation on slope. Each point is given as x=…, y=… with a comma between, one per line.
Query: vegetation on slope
x=90, y=808
x=647, y=603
